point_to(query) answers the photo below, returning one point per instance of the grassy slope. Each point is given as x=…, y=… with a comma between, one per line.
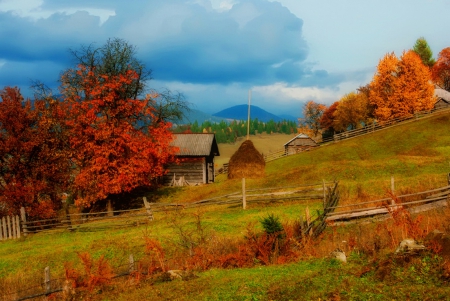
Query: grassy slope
x=416, y=154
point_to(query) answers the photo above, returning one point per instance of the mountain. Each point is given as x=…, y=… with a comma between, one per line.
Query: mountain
x=240, y=112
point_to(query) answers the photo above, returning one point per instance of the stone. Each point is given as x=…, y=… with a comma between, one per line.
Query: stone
x=339, y=255
x=409, y=245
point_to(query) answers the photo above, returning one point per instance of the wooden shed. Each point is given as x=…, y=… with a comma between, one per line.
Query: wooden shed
x=196, y=154
x=299, y=143
x=442, y=99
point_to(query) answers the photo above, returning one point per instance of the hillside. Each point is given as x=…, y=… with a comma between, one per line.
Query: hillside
x=416, y=154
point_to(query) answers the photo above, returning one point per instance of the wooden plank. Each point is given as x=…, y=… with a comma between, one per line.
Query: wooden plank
x=5, y=232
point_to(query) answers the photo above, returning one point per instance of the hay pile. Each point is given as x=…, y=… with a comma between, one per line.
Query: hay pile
x=246, y=162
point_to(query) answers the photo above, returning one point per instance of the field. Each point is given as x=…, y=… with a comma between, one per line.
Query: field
x=264, y=143
x=417, y=155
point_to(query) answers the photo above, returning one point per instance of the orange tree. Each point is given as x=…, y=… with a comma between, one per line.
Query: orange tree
x=441, y=69
x=312, y=112
x=352, y=112
x=110, y=150
x=34, y=170
x=401, y=87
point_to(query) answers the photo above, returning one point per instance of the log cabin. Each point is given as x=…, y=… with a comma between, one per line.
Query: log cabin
x=196, y=155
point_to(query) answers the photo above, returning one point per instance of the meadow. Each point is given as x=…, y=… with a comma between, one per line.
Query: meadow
x=417, y=155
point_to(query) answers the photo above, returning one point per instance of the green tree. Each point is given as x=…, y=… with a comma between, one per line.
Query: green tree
x=424, y=51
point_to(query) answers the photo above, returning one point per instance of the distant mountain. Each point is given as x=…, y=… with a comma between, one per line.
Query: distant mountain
x=240, y=112
x=199, y=116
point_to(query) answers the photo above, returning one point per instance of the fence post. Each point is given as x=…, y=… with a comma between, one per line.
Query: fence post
x=131, y=268
x=18, y=226
x=8, y=223
x=5, y=232
x=244, y=200
x=47, y=279
x=324, y=194
x=13, y=227
x=24, y=221
x=148, y=208
x=1, y=230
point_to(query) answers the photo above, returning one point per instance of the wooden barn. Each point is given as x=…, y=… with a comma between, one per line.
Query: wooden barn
x=442, y=99
x=299, y=143
x=196, y=154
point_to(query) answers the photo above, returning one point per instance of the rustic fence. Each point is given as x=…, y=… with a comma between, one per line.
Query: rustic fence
x=10, y=227
x=134, y=217
x=370, y=128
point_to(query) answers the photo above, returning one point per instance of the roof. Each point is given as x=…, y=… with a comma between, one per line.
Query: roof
x=442, y=94
x=299, y=136
x=196, y=144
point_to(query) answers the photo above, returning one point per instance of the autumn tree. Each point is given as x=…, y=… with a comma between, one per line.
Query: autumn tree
x=401, y=87
x=327, y=119
x=441, y=70
x=423, y=50
x=312, y=112
x=352, y=111
x=120, y=141
x=34, y=170
x=111, y=153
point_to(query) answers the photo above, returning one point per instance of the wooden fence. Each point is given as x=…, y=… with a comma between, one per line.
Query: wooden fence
x=135, y=217
x=371, y=128
x=10, y=227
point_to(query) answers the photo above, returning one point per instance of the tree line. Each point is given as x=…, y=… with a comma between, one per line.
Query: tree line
x=228, y=132
x=103, y=136
x=400, y=87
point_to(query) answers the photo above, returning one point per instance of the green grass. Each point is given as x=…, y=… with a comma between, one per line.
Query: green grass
x=417, y=155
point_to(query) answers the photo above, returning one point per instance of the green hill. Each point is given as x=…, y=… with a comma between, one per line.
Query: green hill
x=416, y=154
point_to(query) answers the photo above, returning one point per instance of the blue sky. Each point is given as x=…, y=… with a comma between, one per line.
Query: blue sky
x=213, y=51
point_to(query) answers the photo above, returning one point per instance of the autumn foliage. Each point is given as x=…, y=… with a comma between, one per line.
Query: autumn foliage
x=34, y=169
x=441, y=70
x=111, y=153
x=92, y=143
x=401, y=87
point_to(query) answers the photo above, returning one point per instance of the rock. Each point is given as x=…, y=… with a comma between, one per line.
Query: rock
x=409, y=245
x=339, y=255
x=171, y=275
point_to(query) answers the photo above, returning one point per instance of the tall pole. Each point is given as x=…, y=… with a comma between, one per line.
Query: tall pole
x=248, y=117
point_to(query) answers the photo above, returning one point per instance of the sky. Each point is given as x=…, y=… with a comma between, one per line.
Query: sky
x=286, y=52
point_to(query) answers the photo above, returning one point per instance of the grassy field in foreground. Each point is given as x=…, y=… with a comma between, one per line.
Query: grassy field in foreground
x=417, y=155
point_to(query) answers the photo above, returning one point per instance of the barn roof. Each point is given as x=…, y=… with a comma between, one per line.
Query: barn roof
x=196, y=144
x=299, y=136
x=442, y=94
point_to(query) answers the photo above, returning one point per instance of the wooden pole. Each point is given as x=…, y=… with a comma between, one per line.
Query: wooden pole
x=324, y=194
x=148, y=208
x=18, y=226
x=13, y=226
x=8, y=223
x=244, y=200
x=5, y=232
x=131, y=268
x=248, y=117
x=23, y=216
x=47, y=279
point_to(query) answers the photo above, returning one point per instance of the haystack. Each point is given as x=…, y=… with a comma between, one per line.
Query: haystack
x=246, y=162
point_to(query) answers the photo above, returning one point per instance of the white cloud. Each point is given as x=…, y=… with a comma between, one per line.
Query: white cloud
x=33, y=9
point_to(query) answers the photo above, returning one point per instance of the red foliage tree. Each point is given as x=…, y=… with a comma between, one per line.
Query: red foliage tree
x=327, y=119
x=33, y=165
x=111, y=153
x=441, y=69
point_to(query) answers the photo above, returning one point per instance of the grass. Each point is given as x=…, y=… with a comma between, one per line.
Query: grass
x=417, y=155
